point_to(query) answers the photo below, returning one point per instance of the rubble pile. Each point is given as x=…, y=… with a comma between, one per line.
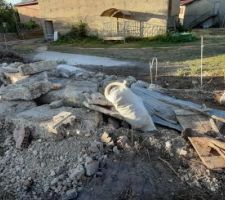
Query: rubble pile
x=58, y=128
x=39, y=107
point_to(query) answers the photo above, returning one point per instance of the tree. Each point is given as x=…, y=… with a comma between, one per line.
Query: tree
x=7, y=17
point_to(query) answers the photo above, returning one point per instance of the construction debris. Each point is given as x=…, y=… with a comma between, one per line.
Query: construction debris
x=129, y=106
x=27, y=89
x=67, y=71
x=37, y=67
x=210, y=151
x=67, y=123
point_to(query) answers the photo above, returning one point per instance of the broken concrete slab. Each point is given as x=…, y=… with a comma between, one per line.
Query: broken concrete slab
x=8, y=68
x=97, y=99
x=12, y=68
x=68, y=70
x=57, y=123
x=74, y=94
x=37, y=67
x=11, y=108
x=56, y=104
x=14, y=77
x=27, y=89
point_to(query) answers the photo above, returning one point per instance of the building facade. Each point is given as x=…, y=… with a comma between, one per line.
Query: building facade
x=202, y=12
x=146, y=16
x=28, y=11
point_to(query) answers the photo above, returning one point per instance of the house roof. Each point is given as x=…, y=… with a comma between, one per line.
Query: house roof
x=32, y=2
x=186, y=2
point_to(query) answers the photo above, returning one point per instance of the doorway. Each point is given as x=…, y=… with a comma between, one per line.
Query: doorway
x=49, y=30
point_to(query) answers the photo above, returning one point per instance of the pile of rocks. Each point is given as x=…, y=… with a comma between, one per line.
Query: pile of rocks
x=38, y=108
x=35, y=96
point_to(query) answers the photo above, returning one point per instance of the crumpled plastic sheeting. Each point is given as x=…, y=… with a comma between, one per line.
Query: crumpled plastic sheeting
x=162, y=107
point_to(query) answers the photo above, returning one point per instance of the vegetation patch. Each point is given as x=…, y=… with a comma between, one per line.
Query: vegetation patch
x=8, y=18
x=168, y=38
x=29, y=25
x=78, y=36
x=212, y=66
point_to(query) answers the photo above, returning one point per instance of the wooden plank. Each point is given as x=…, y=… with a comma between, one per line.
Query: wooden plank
x=196, y=121
x=204, y=148
x=116, y=38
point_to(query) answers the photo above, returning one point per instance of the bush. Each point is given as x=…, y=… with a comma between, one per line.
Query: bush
x=78, y=31
x=29, y=25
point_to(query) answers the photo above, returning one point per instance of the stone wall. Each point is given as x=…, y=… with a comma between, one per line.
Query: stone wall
x=195, y=10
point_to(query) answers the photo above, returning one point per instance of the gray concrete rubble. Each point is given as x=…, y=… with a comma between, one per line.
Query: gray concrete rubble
x=74, y=93
x=59, y=131
x=26, y=89
x=67, y=71
x=14, y=77
x=37, y=67
x=57, y=123
x=11, y=108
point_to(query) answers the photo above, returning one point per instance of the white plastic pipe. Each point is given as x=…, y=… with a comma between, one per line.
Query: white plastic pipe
x=151, y=65
x=202, y=51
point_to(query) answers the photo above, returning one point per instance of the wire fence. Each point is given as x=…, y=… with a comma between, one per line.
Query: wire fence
x=132, y=29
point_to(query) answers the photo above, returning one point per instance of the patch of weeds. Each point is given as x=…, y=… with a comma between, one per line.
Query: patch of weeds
x=176, y=37
x=77, y=32
x=167, y=38
x=29, y=25
x=212, y=66
x=182, y=72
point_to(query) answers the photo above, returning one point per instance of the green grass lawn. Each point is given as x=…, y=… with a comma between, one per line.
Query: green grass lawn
x=212, y=66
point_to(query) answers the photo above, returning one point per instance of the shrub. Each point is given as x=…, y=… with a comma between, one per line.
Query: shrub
x=77, y=31
x=29, y=25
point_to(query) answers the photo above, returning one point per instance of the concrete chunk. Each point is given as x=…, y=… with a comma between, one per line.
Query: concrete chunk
x=50, y=123
x=11, y=108
x=74, y=94
x=14, y=77
x=27, y=89
x=34, y=68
